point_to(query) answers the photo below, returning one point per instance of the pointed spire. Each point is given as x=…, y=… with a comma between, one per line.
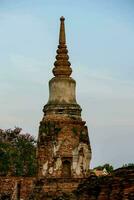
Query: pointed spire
x=62, y=65
x=62, y=35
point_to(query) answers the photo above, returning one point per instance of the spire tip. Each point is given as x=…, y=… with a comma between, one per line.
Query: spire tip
x=62, y=18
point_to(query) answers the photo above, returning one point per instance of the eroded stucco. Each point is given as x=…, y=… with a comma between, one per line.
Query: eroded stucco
x=81, y=159
x=62, y=90
x=79, y=156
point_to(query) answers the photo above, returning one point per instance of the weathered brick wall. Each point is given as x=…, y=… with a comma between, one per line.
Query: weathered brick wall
x=9, y=186
x=118, y=186
x=51, y=188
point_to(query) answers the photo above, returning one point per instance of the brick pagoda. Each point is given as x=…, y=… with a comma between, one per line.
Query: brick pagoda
x=63, y=151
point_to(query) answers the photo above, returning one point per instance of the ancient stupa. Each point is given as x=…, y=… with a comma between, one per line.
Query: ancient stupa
x=63, y=151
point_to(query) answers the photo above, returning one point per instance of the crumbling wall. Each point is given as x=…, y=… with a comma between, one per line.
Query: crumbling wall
x=118, y=186
x=14, y=187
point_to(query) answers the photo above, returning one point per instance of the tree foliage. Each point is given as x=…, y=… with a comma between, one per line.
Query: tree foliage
x=129, y=165
x=106, y=166
x=17, y=153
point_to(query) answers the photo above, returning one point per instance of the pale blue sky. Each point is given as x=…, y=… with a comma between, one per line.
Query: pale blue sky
x=100, y=39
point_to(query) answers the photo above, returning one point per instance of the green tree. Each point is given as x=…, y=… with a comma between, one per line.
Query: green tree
x=17, y=153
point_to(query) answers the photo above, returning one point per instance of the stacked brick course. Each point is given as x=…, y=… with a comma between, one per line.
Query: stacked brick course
x=16, y=187
x=117, y=186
